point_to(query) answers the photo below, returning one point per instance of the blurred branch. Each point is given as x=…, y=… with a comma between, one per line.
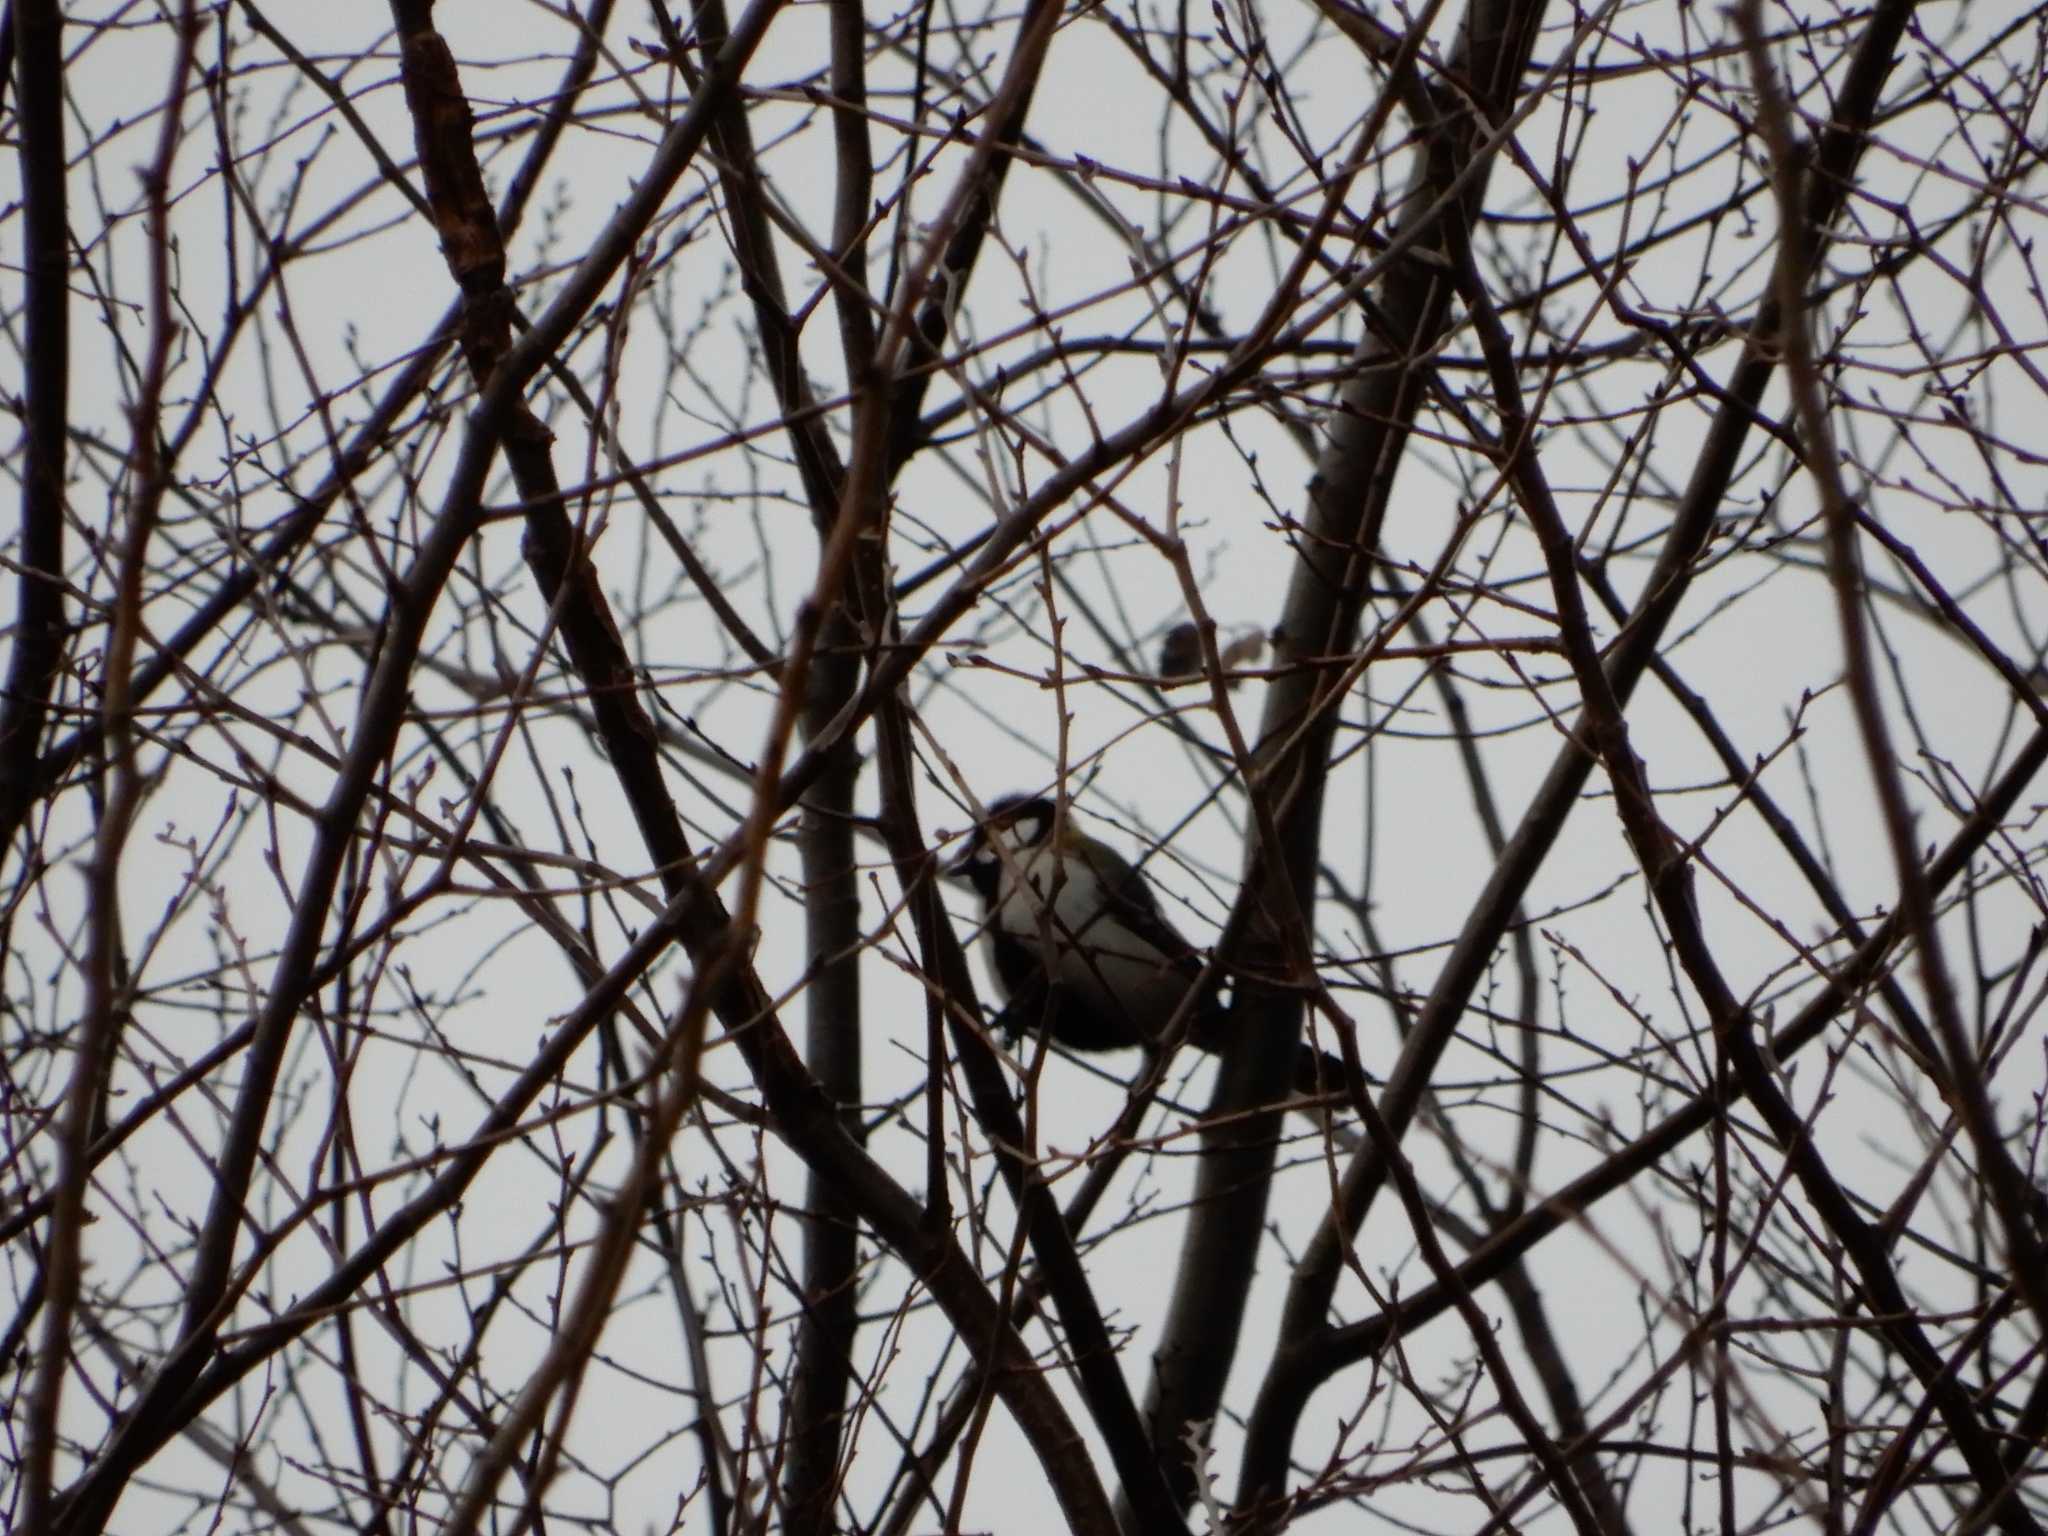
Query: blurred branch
x=105, y=1001
x=2011, y=1195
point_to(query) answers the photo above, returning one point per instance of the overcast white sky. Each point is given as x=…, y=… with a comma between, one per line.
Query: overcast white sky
x=1756, y=636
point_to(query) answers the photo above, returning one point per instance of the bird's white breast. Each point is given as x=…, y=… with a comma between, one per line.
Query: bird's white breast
x=1084, y=946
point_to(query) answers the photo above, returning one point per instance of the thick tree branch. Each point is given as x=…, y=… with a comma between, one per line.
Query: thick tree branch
x=38, y=44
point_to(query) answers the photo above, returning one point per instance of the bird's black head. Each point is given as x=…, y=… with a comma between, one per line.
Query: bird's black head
x=1023, y=821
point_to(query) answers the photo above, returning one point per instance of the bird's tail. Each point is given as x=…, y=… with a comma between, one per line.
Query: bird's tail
x=1318, y=1074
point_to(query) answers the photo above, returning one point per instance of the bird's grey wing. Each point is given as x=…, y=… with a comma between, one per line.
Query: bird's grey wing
x=1132, y=901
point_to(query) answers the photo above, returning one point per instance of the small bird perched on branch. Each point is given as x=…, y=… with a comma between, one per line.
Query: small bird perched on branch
x=1075, y=935
x=1079, y=945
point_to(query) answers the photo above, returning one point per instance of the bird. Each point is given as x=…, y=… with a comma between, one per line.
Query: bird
x=1074, y=933
x=1079, y=946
